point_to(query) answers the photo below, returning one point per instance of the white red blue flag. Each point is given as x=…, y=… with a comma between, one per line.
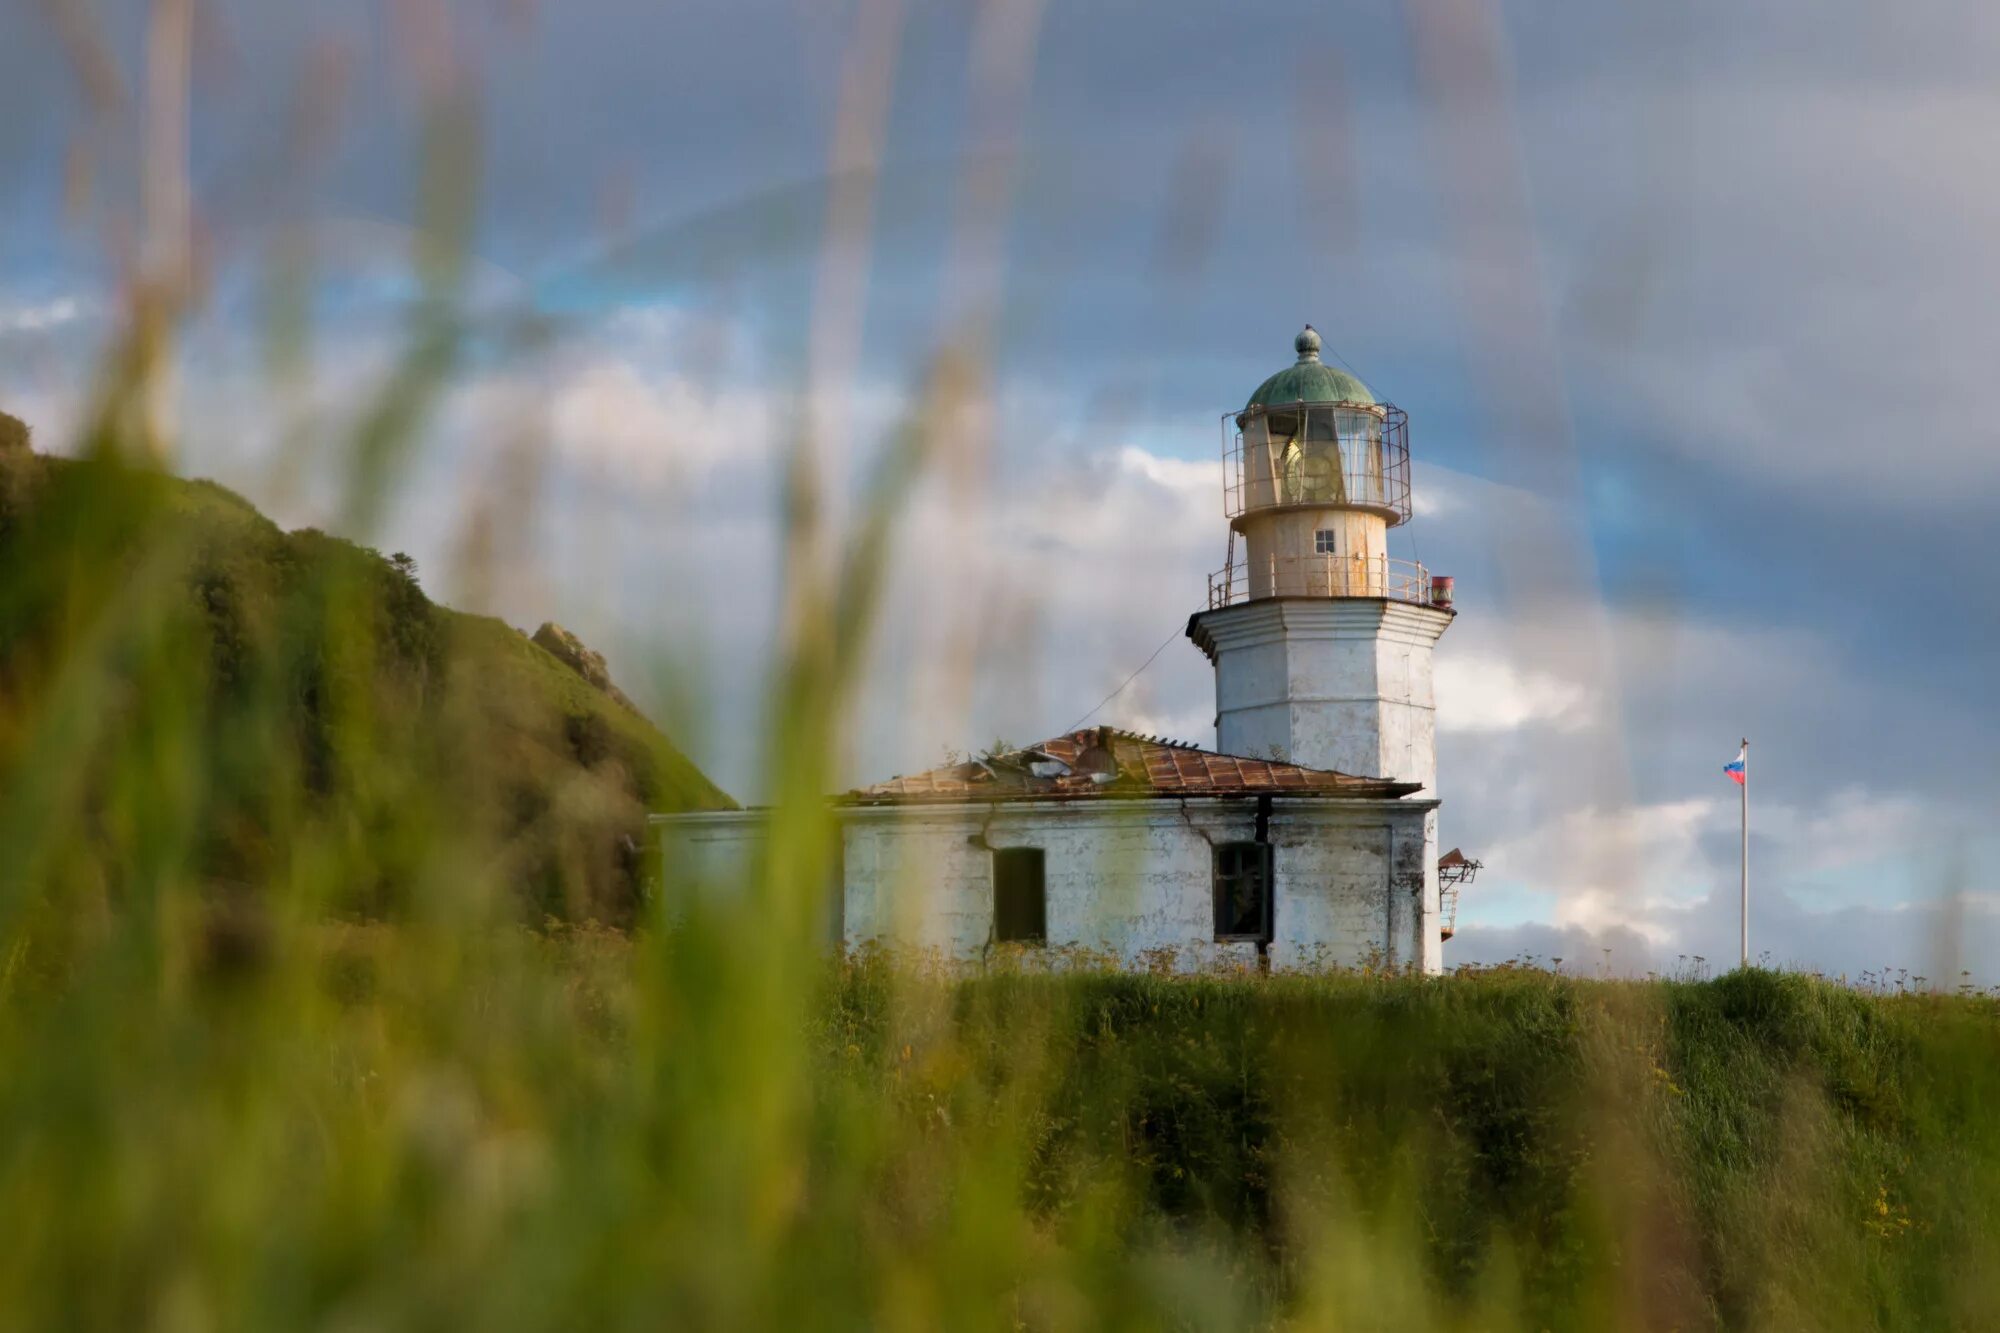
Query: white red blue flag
x=1738, y=771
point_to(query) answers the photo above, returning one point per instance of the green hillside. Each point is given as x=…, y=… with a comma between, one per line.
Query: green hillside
x=332, y=697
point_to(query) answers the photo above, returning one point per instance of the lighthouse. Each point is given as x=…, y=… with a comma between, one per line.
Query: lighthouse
x=1307, y=838
x=1321, y=642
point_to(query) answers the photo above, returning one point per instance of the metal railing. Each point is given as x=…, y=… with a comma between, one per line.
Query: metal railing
x=1327, y=455
x=1320, y=576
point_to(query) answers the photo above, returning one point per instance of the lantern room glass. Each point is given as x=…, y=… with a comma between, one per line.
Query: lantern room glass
x=1328, y=454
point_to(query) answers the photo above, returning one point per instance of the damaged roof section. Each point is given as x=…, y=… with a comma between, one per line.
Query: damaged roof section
x=1104, y=762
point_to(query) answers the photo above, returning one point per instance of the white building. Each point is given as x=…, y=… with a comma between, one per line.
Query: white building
x=1308, y=837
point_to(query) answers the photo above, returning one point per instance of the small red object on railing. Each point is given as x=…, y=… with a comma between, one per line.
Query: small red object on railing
x=1441, y=586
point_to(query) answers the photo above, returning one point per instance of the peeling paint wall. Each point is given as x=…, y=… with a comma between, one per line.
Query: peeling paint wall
x=1354, y=881
x=1342, y=683
x=1124, y=880
x=1345, y=684
x=1137, y=879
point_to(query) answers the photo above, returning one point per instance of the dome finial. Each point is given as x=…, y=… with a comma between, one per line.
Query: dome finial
x=1308, y=381
x=1307, y=345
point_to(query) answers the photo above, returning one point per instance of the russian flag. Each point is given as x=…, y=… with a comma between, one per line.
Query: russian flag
x=1737, y=771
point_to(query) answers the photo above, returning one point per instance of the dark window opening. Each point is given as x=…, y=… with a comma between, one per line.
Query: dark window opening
x=836, y=890
x=1323, y=542
x=1243, y=891
x=1020, y=902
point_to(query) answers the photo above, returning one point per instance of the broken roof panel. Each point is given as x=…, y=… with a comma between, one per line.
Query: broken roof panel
x=1100, y=762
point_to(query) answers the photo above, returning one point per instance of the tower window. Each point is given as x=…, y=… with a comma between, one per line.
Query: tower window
x=1323, y=543
x=1020, y=900
x=1243, y=891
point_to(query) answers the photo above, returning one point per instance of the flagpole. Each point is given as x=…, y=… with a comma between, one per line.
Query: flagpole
x=1743, y=787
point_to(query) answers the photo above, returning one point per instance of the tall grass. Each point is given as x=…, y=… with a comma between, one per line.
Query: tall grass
x=451, y=1123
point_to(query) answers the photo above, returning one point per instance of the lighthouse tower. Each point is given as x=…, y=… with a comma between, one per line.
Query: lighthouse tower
x=1322, y=643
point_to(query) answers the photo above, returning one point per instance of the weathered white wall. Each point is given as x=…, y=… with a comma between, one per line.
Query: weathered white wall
x=1136, y=878
x=1341, y=683
x=1124, y=878
x=1353, y=889
x=1355, y=881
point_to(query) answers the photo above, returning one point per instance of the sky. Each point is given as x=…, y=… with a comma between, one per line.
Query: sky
x=1690, y=304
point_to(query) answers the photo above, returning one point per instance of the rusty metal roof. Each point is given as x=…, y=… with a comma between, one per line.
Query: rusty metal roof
x=1104, y=762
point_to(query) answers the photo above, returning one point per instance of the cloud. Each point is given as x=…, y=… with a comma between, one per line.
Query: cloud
x=1947, y=939
x=1615, y=866
x=1851, y=828
x=1024, y=591
x=38, y=317
x=653, y=430
x=1482, y=692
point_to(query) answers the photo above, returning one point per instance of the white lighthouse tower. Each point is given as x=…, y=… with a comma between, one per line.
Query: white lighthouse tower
x=1321, y=642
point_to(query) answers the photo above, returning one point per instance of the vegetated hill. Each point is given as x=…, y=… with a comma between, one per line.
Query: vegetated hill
x=306, y=688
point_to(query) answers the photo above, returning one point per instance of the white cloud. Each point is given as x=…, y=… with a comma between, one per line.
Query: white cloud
x=1484, y=692
x=1852, y=827
x=1612, y=867
x=38, y=317
x=654, y=430
x=1014, y=609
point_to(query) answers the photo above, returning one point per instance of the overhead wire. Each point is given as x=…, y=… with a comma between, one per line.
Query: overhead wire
x=1127, y=681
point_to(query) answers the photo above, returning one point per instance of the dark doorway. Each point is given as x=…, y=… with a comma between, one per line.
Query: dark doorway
x=1020, y=900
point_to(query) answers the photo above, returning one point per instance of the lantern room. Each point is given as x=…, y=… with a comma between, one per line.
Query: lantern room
x=1316, y=472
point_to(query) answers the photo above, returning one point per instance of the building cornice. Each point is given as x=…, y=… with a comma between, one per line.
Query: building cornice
x=1135, y=808
x=1276, y=619
x=1154, y=807
x=756, y=814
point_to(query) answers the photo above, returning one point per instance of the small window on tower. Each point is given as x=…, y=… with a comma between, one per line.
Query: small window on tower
x=1323, y=542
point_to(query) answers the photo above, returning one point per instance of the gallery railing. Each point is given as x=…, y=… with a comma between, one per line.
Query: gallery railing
x=1321, y=576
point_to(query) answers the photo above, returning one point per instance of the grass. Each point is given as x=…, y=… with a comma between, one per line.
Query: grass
x=397, y=1126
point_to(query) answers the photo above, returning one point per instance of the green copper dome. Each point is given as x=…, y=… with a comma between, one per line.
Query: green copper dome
x=1308, y=381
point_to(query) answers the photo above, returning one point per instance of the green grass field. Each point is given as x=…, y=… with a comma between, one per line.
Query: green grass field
x=421, y=1125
